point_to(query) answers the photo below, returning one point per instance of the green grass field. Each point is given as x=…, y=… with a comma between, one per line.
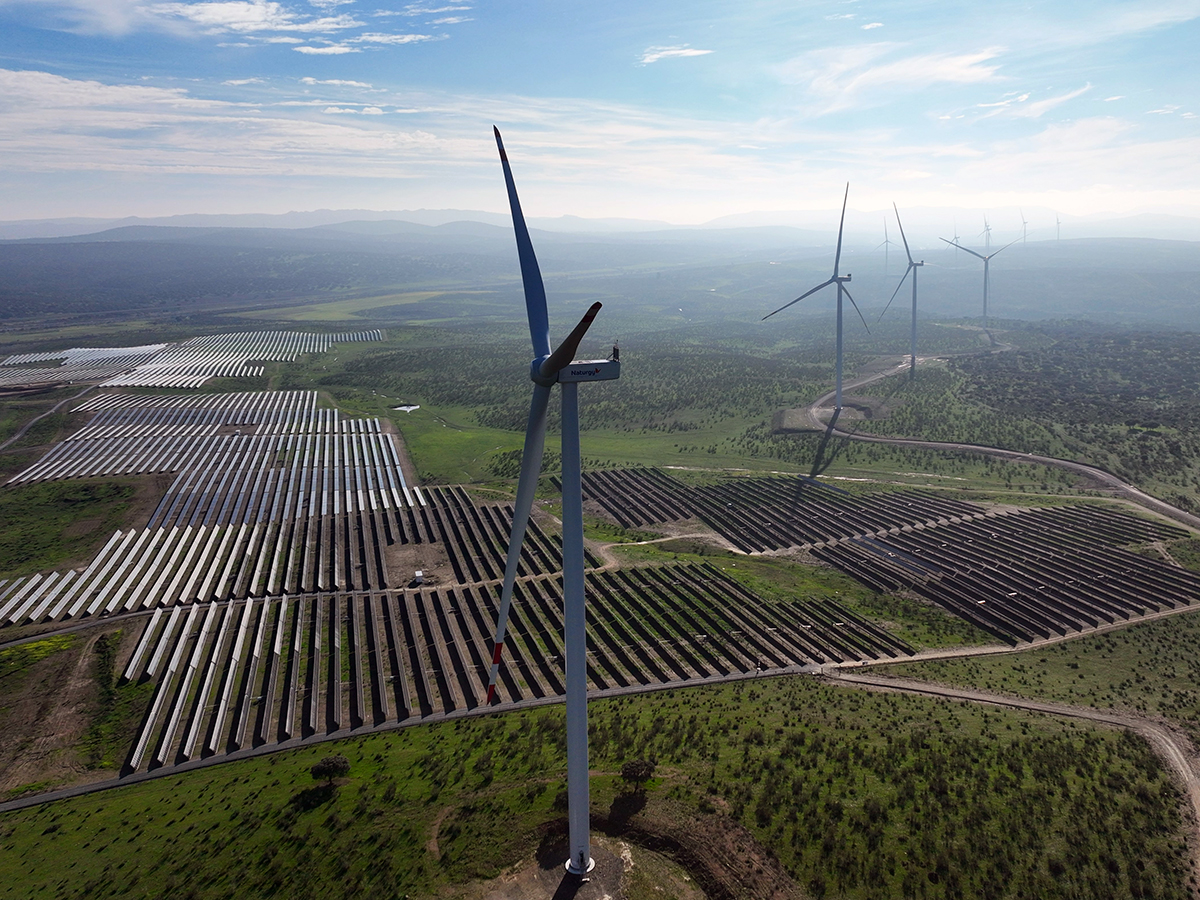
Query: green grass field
x=45, y=524
x=1151, y=667
x=347, y=310
x=858, y=794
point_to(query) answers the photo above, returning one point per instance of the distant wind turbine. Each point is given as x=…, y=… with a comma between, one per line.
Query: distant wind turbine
x=547, y=369
x=986, y=234
x=912, y=267
x=1024, y=226
x=986, y=260
x=886, y=245
x=1057, y=229
x=840, y=281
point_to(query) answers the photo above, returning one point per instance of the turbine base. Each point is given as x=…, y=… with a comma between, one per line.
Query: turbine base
x=572, y=869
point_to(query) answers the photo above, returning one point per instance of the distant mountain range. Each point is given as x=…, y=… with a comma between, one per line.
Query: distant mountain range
x=923, y=225
x=196, y=265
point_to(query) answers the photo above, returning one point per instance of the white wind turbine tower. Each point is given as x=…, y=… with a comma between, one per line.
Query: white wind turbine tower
x=547, y=369
x=840, y=281
x=986, y=261
x=912, y=267
x=1024, y=226
x=986, y=234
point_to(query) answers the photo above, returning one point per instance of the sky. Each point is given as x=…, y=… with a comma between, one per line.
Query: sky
x=667, y=110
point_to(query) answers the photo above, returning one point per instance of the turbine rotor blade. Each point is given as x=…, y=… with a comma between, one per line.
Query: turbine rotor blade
x=902, y=237
x=856, y=309
x=1005, y=247
x=801, y=297
x=531, y=275
x=562, y=357
x=911, y=266
x=838, y=256
x=967, y=249
x=531, y=468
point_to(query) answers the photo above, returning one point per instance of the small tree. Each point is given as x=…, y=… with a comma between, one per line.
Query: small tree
x=331, y=767
x=637, y=772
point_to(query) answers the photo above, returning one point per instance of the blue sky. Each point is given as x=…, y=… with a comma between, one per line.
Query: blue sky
x=678, y=111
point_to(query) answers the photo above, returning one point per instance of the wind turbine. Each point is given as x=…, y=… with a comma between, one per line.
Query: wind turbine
x=986, y=234
x=986, y=260
x=547, y=369
x=840, y=281
x=1024, y=226
x=886, y=245
x=912, y=267
x=1057, y=229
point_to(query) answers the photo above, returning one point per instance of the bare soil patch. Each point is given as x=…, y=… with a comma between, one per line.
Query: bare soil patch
x=82, y=527
x=865, y=408
x=150, y=491
x=402, y=560
x=624, y=870
x=244, y=428
x=44, y=713
x=722, y=855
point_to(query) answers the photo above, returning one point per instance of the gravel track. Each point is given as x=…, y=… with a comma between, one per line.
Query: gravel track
x=1172, y=746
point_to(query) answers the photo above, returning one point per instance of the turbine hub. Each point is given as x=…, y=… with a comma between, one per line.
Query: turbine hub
x=535, y=372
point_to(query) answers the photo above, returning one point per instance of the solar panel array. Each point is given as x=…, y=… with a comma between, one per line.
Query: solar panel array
x=268, y=671
x=182, y=365
x=1022, y=575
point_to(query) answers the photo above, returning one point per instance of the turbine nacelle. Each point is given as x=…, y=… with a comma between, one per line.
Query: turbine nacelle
x=590, y=370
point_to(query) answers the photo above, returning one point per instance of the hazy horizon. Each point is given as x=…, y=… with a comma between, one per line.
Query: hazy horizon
x=681, y=112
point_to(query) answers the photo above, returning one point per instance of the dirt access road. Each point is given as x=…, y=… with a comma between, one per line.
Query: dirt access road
x=819, y=422
x=1173, y=747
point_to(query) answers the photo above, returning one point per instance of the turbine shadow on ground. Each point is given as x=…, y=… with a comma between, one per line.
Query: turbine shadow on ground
x=825, y=456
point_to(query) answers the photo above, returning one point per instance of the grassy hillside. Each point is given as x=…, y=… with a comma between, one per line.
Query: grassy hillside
x=857, y=794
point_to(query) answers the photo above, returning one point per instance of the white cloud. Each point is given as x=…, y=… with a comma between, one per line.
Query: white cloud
x=416, y=9
x=578, y=156
x=375, y=37
x=336, y=82
x=111, y=17
x=871, y=25
x=1008, y=100
x=452, y=20
x=844, y=77
x=327, y=50
x=250, y=16
x=1019, y=107
x=1168, y=110
x=329, y=4
x=238, y=82
x=279, y=39
x=1117, y=97
x=1040, y=107
x=654, y=54
x=837, y=16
